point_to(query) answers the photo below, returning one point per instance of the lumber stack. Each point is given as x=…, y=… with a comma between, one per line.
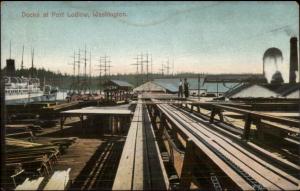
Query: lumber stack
x=34, y=159
x=59, y=180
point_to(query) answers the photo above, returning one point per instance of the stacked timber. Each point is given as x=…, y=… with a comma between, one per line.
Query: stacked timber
x=12, y=143
x=59, y=180
x=25, y=158
x=30, y=184
x=25, y=131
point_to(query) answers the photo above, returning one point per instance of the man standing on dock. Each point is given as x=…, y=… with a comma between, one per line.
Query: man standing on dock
x=186, y=88
x=180, y=89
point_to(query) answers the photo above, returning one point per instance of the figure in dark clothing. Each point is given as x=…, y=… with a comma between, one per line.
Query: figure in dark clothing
x=186, y=88
x=180, y=89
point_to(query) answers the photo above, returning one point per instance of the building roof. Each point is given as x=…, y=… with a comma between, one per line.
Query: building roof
x=236, y=90
x=121, y=83
x=211, y=87
x=116, y=85
x=286, y=89
x=238, y=78
x=99, y=111
x=150, y=87
x=170, y=85
x=280, y=89
x=219, y=87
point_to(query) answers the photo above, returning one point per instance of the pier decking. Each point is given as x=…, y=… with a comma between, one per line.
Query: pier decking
x=141, y=166
x=204, y=152
x=166, y=143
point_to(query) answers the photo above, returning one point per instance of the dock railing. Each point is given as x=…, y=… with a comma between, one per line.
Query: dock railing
x=286, y=125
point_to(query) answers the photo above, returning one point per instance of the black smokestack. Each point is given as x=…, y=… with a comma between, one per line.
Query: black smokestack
x=10, y=67
x=293, y=59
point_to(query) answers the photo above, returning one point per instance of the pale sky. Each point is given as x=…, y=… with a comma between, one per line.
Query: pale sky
x=213, y=37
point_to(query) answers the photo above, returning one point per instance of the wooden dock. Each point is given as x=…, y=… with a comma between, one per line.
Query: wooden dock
x=229, y=158
x=170, y=144
x=141, y=166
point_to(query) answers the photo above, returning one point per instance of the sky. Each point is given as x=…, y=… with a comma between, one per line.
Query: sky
x=209, y=37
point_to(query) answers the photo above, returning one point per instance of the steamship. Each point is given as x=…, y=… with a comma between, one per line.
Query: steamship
x=22, y=90
x=19, y=90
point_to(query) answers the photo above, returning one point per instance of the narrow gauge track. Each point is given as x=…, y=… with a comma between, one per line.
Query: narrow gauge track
x=245, y=168
x=99, y=172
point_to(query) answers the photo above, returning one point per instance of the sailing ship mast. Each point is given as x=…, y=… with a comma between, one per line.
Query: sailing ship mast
x=22, y=63
x=32, y=56
x=90, y=79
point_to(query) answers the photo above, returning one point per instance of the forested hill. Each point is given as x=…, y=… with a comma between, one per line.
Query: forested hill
x=65, y=81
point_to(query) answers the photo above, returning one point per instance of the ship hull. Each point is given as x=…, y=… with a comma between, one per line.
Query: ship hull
x=50, y=97
x=23, y=98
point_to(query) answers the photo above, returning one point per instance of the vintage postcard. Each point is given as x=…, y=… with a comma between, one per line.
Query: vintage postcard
x=160, y=95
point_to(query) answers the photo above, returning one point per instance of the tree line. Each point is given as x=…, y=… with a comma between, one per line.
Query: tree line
x=66, y=81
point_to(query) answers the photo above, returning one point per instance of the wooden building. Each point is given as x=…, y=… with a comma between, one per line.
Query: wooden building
x=251, y=90
x=117, y=90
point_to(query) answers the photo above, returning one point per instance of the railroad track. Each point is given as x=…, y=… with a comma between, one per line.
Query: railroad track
x=100, y=171
x=247, y=170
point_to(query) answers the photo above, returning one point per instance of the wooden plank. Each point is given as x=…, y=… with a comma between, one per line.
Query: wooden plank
x=30, y=184
x=59, y=180
x=216, y=160
x=140, y=176
x=291, y=125
x=136, y=168
x=124, y=175
x=255, y=169
x=187, y=167
x=20, y=143
x=158, y=175
x=262, y=115
x=258, y=149
x=286, y=121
